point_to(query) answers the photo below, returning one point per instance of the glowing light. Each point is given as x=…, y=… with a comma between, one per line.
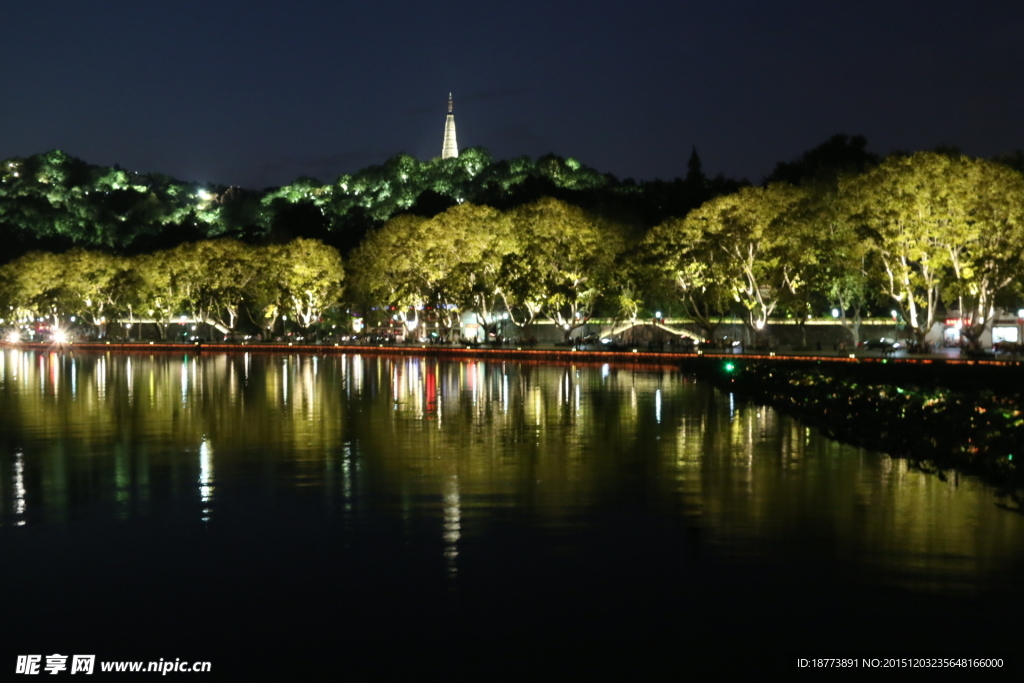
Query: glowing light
x=452, y=524
x=206, y=485
x=835, y=312
x=13, y=337
x=59, y=337
x=19, y=487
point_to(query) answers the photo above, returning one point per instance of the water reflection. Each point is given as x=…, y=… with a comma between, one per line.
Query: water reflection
x=19, y=488
x=206, y=477
x=452, y=524
x=451, y=447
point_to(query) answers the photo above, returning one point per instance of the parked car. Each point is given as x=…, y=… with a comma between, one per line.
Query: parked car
x=882, y=344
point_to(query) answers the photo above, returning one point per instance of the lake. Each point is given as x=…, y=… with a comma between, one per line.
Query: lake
x=365, y=517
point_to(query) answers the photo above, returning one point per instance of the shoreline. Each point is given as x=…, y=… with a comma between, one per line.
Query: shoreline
x=1002, y=375
x=537, y=351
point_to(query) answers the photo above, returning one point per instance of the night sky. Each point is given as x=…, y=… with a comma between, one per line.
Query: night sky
x=260, y=93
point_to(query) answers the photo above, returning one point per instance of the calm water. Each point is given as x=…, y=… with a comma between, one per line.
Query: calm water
x=368, y=518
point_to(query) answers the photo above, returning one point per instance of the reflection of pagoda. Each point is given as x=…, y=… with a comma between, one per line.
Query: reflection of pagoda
x=450, y=148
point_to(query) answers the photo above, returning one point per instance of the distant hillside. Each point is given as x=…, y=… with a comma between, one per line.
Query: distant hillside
x=53, y=201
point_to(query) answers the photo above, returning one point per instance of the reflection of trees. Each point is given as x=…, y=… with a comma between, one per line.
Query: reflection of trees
x=470, y=441
x=764, y=484
x=113, y=428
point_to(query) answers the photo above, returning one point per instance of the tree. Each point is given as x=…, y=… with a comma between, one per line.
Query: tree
x=751, y=237
x=385, y=274
x=471, y=246
x=679, y=253
x=842, y=276
x=987, y=244
x=943, y=228
x=563, y=265
x=226, y=268
x=96, y=284
x=312, y=277
x=161, y=291
x=838, y=156
x=448, y=264
x=33, y=287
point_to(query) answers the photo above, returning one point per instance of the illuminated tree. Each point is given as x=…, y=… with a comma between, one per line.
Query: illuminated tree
x=677, y=252
x=96, y=283
x=563, y=265
x=449, y=264
x=221, y=282
x=987, y=247
x=311, y=278
x=32, y=287
x=753, y=244
x=943, y=228
x=384, y=273
x=474, y=243
x=842, y=271
x=161, y=291
x=205, y=281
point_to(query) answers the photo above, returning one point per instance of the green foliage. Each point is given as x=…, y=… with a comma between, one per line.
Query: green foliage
x=211, y=281
x=675, y=255
x=448, y=264
x=564, y=263
x=53, y=201
x=945, y=230
x=547, y=238
x=753, y=240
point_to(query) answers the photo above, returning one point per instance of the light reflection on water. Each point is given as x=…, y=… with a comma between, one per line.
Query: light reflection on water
x=450, y=447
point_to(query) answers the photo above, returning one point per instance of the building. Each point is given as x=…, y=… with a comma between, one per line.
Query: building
x=450, y=148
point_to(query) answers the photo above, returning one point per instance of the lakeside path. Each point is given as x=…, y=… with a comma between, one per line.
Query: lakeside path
x=539, y=352
x=1002, y=373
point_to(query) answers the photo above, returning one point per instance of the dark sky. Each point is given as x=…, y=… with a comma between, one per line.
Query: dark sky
x=259, y=93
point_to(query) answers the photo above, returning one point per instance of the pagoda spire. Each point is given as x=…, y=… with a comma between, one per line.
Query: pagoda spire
x=450, y=148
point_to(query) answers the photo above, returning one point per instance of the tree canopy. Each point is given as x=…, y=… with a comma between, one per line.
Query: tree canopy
x=410, y=241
